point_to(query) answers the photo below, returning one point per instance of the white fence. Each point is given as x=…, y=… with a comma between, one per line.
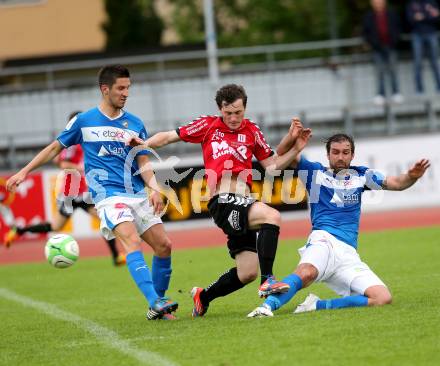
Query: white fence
x=320, y=93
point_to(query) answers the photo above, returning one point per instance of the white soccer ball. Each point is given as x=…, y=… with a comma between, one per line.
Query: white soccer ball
x=61, y=251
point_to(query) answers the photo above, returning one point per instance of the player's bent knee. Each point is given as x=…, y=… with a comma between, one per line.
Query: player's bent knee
x=378, y=296
x=163, y=247
x=247, y=276
x=273, y=217
x=261, y=213
x=384, y=299
x=248, y=273
x=307, y=272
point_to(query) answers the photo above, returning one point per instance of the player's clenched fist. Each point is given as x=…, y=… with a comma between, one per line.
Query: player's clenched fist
x=15, y=181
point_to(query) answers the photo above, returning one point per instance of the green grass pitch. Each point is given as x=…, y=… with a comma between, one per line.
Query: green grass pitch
x=105, y=322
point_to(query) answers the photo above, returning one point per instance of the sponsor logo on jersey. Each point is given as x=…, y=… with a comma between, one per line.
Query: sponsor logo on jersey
x=351, y=198
x=196, y=127
x=106, y=133
x=222, y=148
x=103, y=151
x=241, y=137
x=219, y=147
x=342, y=199
x=114, y=134
x=111, y=150
x=217, y=135
x=261, y=141
x=354, y=182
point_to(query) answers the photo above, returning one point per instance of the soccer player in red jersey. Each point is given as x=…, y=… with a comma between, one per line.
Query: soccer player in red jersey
x=228, y=143
x=72, y=194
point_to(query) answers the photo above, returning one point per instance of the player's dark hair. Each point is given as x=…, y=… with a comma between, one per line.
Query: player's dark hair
x=339, y=137
x=73, y=114
x=229, y=93
x=108, y=74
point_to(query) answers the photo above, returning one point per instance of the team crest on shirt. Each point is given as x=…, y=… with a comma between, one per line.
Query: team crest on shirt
x=125, y=124
x=241, y=137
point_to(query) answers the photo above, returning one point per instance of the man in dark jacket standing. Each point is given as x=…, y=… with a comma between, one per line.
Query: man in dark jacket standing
x=423, y=16
x=381, y=30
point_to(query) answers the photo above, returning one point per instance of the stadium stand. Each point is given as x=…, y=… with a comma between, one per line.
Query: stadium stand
x=329, y=95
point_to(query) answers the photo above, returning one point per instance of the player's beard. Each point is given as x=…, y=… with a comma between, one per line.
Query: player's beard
x=340, y=166
x=117, y=103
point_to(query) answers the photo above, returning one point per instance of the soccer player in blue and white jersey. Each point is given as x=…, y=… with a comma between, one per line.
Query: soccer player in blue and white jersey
x=330, y=254
x=120, y=197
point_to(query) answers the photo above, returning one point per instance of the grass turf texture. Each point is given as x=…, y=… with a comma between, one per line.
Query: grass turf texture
x=404, y=333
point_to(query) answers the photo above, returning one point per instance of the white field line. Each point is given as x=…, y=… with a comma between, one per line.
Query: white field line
x=103, y=335
x=90, y=342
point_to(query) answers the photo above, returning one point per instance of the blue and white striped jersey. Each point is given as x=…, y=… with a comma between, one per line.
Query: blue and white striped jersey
x=335, y=199
x=109, y=164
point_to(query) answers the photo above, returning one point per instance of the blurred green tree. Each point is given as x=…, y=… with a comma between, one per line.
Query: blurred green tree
x=257, y=22
x=132, y=24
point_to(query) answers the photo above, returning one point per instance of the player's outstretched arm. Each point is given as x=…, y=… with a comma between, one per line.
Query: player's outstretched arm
x=290, y=138
x=291, y=157
x=44, y=156
x=158, y=140
x=163, y=138
x=406, y=180
x=149, y=178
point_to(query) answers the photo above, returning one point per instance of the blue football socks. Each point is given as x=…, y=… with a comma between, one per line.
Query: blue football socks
x=343, y=302
x=161, y=273
x=278, y=300
x=141, y=275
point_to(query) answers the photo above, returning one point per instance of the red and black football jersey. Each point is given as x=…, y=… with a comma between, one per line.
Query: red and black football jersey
x=226, y=150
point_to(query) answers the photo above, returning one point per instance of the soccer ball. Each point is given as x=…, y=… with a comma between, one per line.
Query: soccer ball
x=61, y=251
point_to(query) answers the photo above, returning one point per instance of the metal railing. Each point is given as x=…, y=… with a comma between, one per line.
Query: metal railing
x=347, y=91
x=156, y=64
x=160, y=59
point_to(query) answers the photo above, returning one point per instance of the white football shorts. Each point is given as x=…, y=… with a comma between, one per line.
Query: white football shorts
x=114, y=210
x=339, y=265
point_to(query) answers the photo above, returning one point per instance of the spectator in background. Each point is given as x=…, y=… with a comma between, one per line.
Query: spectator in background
x=423, y=16
x=381, y=30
